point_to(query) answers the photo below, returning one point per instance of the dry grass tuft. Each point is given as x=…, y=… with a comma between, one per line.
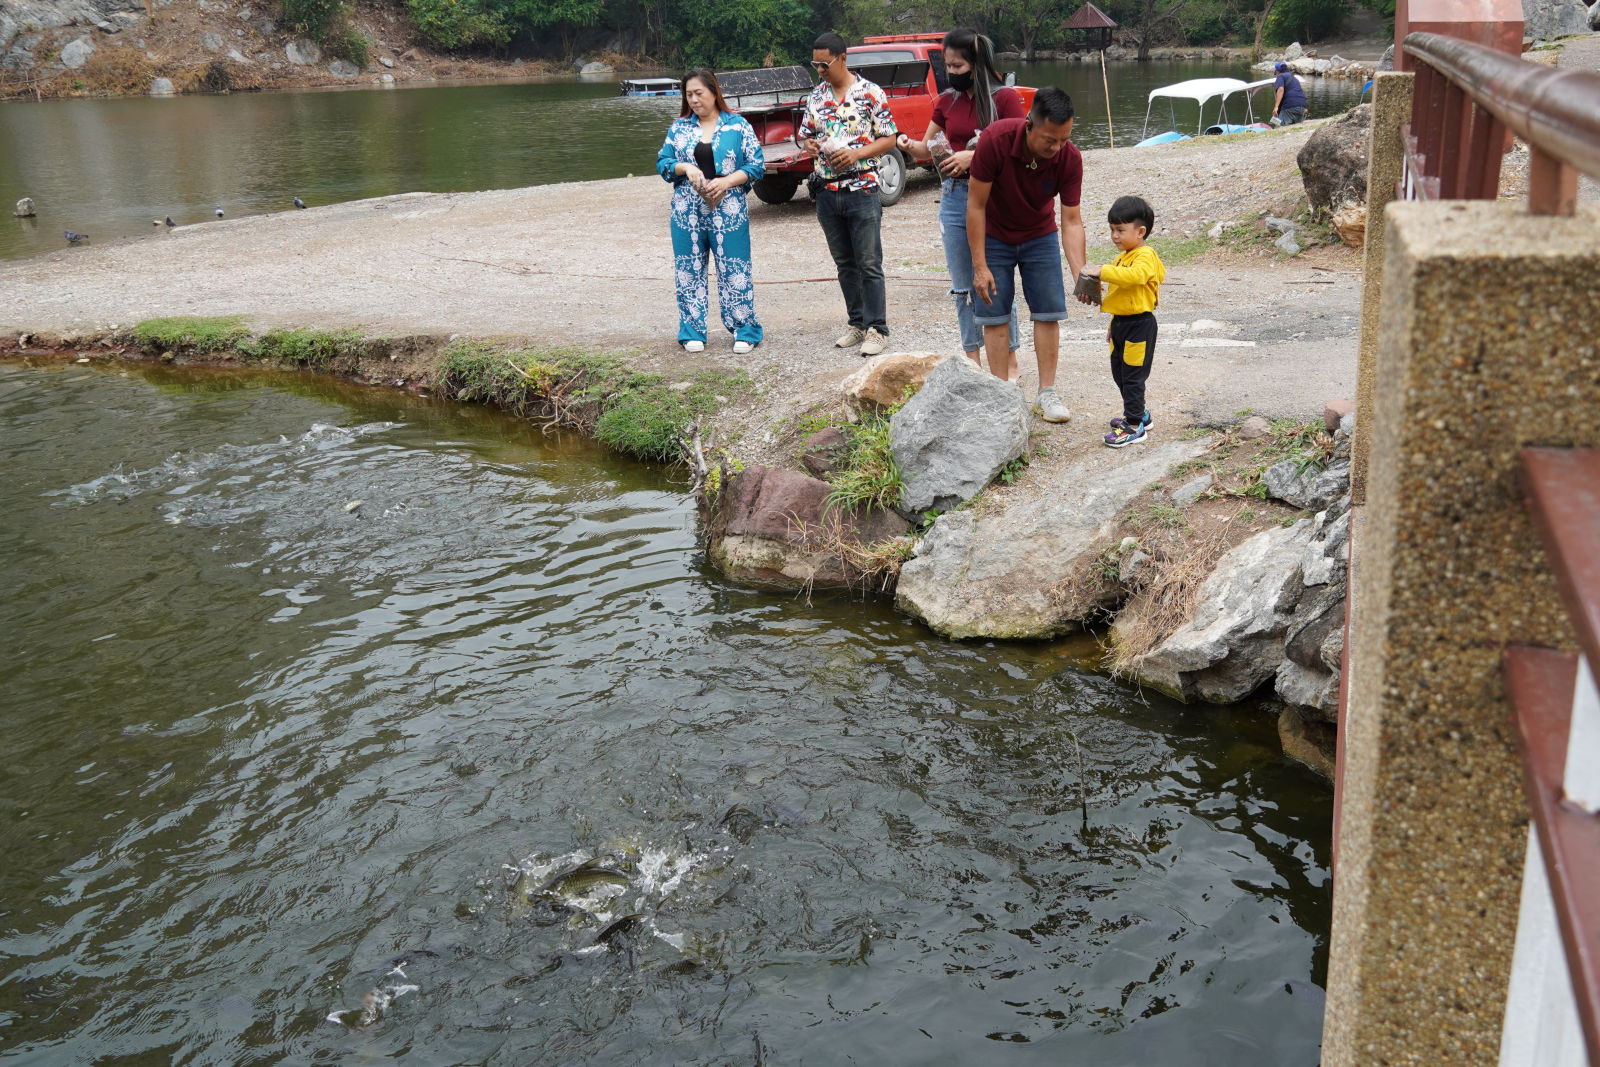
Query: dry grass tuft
x=875, y=566
x=1164, y=598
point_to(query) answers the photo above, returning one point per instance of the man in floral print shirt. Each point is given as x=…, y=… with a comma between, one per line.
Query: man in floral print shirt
x=847, y=126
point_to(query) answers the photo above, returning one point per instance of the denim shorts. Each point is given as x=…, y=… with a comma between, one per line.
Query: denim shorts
x=1039, y=262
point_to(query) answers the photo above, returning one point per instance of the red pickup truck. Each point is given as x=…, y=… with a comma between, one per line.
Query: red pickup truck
x=908, y=67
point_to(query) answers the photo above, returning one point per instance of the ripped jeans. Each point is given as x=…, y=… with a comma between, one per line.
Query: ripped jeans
x=958, y=261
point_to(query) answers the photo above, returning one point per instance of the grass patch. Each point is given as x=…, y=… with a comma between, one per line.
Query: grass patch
x=317, y=349
x=639, y=413
x=219, y=333
x=869, y=477
x=1180, y=249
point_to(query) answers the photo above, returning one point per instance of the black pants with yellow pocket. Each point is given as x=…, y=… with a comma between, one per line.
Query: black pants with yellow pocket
x=1133, y=347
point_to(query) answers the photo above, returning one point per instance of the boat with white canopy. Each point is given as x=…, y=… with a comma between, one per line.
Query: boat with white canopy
x=1203, y=91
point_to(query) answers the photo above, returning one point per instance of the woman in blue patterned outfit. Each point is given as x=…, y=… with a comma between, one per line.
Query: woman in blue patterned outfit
x=710, y=156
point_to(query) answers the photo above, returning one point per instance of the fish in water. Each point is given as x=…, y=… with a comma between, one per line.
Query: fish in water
x=298, y=202
x=740, y=821
x=74, y=238
x=354, y=505
x=618, y=928
x=582, y=878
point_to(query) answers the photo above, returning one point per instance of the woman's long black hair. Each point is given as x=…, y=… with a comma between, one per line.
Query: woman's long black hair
x=976, y=49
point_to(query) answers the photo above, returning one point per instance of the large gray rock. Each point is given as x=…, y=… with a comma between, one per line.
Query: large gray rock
x=1314, y=692
x=1594, y=15
x=1333, y=161
x=24, y=16
x=595, y=68
x=211, y=42
x=953, y=437
x=161, y=87
x=1554, y=18
x=1309, y=489
x=343, y=68
x=1234, y=640
x=76, y=53
x=771, y=527
x=303, y=53
x=996, y=575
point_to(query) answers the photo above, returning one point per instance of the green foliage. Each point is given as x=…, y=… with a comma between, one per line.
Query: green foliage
x=1306, y=20
x=641, y=414
x=459, y=24
x=869, y=477
x=317, y=349
x=312, y=17
x=205, y=334
x=346, y=42
x=1013, y=469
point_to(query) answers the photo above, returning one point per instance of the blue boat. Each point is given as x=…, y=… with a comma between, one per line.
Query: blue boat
x=1202, y=91
x=651, y=87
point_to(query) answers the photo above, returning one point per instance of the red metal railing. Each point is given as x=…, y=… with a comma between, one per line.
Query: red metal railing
x=1467, y=102
x=1562, y=489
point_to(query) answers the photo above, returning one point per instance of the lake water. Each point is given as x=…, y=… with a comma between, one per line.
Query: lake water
x=308, y=689
x=107, y=168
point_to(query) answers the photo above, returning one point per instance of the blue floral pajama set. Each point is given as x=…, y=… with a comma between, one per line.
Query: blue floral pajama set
x=698, y=230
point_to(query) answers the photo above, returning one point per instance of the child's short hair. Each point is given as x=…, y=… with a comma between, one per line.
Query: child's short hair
x=1132, y=209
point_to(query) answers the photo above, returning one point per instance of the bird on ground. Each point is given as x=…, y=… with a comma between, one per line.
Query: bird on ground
x=219, y=211
x=74, y=238
x=170, y=223
x=298, y=202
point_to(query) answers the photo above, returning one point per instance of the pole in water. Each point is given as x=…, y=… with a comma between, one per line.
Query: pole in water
x=1111, y=137
x=1083, y=795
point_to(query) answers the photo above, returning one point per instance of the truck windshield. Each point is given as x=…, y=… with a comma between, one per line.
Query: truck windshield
x=876, y=57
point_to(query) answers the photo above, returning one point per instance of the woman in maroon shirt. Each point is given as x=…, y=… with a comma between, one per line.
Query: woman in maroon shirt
x=975, y=98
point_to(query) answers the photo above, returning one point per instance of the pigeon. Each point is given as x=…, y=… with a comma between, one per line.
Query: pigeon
x=170, y=223
x=74, y=238
x=219, y=211
x=298, y=202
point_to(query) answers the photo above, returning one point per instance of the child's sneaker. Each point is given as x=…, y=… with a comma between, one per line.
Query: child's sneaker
x=1119, y=422
x=1125, y=435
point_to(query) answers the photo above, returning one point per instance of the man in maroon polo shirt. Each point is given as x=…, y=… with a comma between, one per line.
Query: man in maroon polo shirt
x=1021, y=167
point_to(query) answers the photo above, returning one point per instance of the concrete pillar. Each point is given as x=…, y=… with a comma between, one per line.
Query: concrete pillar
x=1488, y=340
x=1391, y=109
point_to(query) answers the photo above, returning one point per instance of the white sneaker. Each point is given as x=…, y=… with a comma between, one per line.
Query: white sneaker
x=873, y=343
x=741, y=347
x=694, y=346
x=852, y=337
x=1049, y=407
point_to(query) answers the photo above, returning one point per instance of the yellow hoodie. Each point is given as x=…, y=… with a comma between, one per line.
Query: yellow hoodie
x=1133, y=282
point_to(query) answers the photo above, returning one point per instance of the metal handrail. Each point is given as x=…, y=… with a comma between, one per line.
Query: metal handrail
x=1555, y=111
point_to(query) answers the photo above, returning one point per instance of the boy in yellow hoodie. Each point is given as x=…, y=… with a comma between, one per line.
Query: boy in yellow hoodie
x=1133, y=289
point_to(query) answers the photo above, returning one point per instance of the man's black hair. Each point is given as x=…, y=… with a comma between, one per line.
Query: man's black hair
x=830, y=42
x=1132, y=209
x=1050, y=104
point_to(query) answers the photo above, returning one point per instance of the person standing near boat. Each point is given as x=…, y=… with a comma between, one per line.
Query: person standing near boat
x=1288, y=98
x=710, y=156
x=975, y=99
x=847, y=127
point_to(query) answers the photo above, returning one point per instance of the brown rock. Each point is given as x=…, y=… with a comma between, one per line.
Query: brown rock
x=1335, y=411
x=824, y=450
x=1350, y=220
x=773, y=527
x=883, y=380
x=1253, y=427
x=1313, y=743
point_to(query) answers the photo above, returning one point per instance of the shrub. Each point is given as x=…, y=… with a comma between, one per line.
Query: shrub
x=347, y=42
x=312, y=17
x=457, y=24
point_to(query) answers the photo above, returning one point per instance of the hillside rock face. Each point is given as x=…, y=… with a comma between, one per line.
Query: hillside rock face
x=1554, y=18
x=24, y=16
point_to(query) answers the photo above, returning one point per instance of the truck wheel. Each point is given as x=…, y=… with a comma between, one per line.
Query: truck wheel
x=776, y=190
x=892, y=172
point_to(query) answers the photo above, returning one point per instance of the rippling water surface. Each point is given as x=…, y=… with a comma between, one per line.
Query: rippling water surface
x=292, y=779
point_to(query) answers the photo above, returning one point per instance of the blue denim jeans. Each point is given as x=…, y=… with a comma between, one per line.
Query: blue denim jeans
x=849, y=222
x=958, y=261
x=1039, y=263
